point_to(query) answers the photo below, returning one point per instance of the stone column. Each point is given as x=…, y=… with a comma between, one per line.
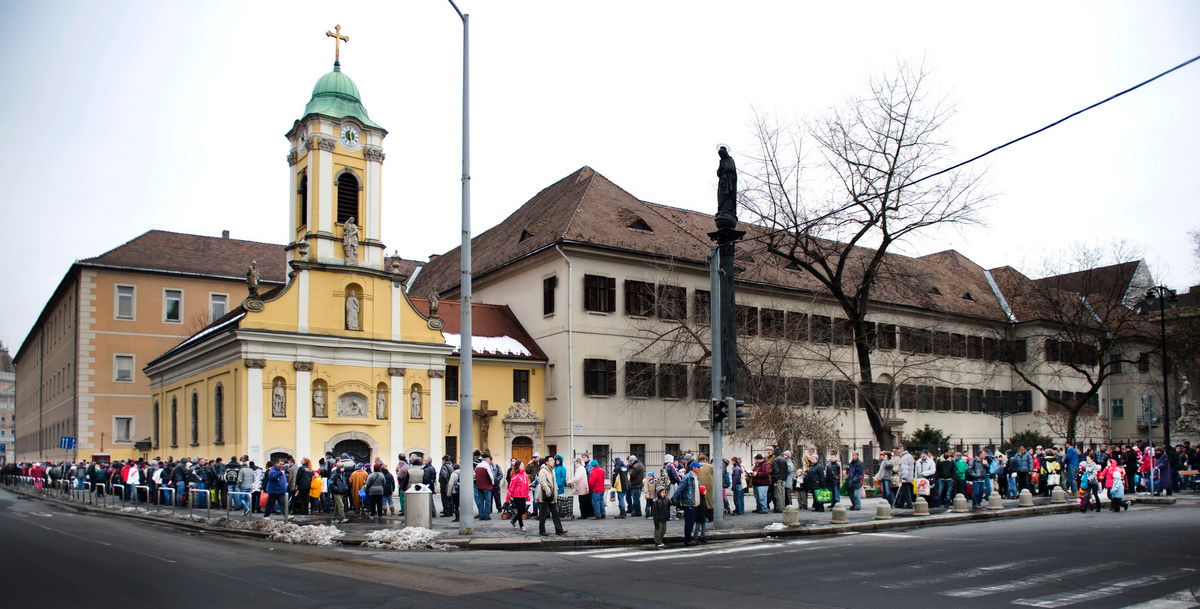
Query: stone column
x=303, y=416
x=254, y=408
x=399, y=412
x=437, y=435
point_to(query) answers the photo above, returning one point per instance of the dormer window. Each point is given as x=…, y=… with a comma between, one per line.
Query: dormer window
x=525, y=234
x=936, y=292
x=640, y=224
x=967, y=296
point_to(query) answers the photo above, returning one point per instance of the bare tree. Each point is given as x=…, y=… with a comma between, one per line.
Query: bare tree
x=868, y=198
x=1087, y=422
x=1083, y=323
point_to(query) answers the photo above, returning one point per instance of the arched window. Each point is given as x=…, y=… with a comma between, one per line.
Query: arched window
x=302, y=198
x=155, y=415
x=347, y=198
x=219, y=415
x=174, y=423
x=195, y=419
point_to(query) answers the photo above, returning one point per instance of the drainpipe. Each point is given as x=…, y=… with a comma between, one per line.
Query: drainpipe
x=570, y=353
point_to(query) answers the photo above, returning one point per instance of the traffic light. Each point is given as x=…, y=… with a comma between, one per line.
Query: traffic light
x=719, y=411
x=734, y=408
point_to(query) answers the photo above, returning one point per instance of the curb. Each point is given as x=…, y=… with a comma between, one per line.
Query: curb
x=554, y=543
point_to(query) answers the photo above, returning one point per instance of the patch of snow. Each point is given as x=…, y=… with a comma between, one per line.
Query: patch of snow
x=310, y=535
x=408, y=538
x=496, y=345
x=775, y=526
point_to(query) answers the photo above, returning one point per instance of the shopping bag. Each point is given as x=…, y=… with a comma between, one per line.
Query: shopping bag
x=1052, y=480
x=262, y=500
x=923, y=487
x=823, y=495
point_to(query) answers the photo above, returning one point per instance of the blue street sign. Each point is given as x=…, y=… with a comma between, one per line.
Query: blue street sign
x=66, y=442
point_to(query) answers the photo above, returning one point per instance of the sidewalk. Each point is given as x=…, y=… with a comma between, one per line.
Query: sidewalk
x=497, y=534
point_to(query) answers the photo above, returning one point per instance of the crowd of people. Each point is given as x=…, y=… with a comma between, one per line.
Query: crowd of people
x=683, y=488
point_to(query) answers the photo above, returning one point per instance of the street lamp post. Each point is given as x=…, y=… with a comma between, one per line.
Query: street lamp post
x=1165, y=298
x=466, y=503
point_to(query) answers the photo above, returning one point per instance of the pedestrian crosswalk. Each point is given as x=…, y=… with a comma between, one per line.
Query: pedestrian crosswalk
x=1038, y=581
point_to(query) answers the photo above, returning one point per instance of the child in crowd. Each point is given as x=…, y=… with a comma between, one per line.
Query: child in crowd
x=661, y=511
x=650, y=491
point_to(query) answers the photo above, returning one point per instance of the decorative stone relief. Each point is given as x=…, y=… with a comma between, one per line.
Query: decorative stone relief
x=521, y=411
x=352, y=405
x=325, y=144
x=396, y=371
x=372, y=153
x=303, y=366
x=437, y=374
x=256, y=363
x=293, y=157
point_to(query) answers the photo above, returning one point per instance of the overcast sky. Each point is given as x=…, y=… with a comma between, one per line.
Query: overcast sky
x=129, y=116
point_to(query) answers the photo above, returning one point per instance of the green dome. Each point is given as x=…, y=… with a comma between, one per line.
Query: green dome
x=336, y=96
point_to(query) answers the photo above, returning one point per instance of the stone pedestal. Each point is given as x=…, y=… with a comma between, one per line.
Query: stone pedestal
x=1058, y=495
x=994, y=502
x=1025, y=499
x=839, y=515
x=791, y=516
x=960, y=504
x=883, y=511
x=920, y=507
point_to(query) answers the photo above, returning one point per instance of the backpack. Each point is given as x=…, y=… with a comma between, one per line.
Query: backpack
x=231, y=475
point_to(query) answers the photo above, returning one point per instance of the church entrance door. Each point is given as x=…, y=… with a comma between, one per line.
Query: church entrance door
x=361, y=451
x=522, y=449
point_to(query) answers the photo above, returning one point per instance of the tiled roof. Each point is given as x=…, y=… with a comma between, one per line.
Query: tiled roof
x=487, y=321
x=585, y=207
x=158, y=250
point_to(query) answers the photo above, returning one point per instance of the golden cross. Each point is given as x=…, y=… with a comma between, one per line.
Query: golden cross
x=338, y=39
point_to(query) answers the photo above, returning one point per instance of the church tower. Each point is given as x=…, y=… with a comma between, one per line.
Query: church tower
x=336, y=166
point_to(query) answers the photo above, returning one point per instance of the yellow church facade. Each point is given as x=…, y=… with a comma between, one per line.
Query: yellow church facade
x=340, y=358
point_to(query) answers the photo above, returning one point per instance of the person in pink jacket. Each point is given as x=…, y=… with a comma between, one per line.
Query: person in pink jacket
x=518, y=493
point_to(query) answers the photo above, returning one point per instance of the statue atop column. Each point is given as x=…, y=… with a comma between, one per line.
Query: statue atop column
x=726, y=190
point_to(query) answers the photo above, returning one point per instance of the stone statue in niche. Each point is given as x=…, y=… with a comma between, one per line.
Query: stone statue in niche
x=318, y=400
x=350, y=241
x=279, y=400
x=381, y=405
x=415, y=403
x=352, y=306
x=352, y=405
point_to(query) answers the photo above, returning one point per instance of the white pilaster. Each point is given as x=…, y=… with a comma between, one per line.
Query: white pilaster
x=437, y=442
x=303, y=414
x=292, y=207
x=325, y=247
x=397, y=296
x=398, y=416
x=254, y=413
x=302, y=312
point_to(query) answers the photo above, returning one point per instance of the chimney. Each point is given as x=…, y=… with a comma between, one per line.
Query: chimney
x=224, y=234
x=433, y=257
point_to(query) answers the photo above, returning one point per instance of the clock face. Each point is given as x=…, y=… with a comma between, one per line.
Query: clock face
x=350, y=137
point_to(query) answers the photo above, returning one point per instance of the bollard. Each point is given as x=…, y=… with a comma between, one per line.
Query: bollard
x=883, y=511
x=207, y=501
x=994, y=502
x=960, y=504
x=167, y=489
x=1058, y=495
x=1025, y=499
x=113, y=487
x=920, y=507
x=135, y=496
x=791, y=516
x=839, y=515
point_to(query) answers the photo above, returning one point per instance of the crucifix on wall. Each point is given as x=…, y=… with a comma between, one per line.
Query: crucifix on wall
x=484, y=422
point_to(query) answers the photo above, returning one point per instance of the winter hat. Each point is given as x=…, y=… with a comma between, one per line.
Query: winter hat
x=594, y=463
x=632, y=458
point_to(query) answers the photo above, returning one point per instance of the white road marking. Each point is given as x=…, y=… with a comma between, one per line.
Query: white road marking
x=714, y=552
x=892, y=535
x=1063, y=599
x=1027, y=582
x=627, y=553
x=1179, y=600
x=974, y=572
x=42, y=514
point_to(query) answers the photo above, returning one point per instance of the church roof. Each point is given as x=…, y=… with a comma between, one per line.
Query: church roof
x=587, y=208
x=495, y=330
x=168, y=252
x=336, y=96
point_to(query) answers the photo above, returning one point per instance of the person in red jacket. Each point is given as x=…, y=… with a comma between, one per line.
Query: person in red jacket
x=483, y=487
x=518, y=493
x=596, y=488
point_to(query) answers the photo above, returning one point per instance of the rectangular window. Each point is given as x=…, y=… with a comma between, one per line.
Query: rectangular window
x=520, y=385
x=908, y=397
x=218, y=306
x=1144, y=362
x=639, y=298
x=941, y=399
x=673, y=450
x=773, y=323
x=976, y=400
x=672, y=302
x=746, y=320
x=797, y=391
x=958, y=345
x=797, y=326
x=548, y=286
x=1114, y=363
x=941, y=343
x=173, y=306
x=123, y=429
x=822, y=391
x=1017, y=351
x=600, y=454
x=702, y=382
x=702, y=311
x=924, y=397
x=822, y=329
x=887, y=336
x=599, y=377
x=672, y=380
x=123, y=368
x=959, y=399
x=124, y=306
x=843, y=333
x=599, y=293
x=1118, y=409
x=990, y=346
x=637, y=450
x=991, y=400
x=974, y=347
x=639, y=380
x=451, y=383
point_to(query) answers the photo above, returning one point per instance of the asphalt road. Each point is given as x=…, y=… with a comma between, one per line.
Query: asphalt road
x=1146, y=558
